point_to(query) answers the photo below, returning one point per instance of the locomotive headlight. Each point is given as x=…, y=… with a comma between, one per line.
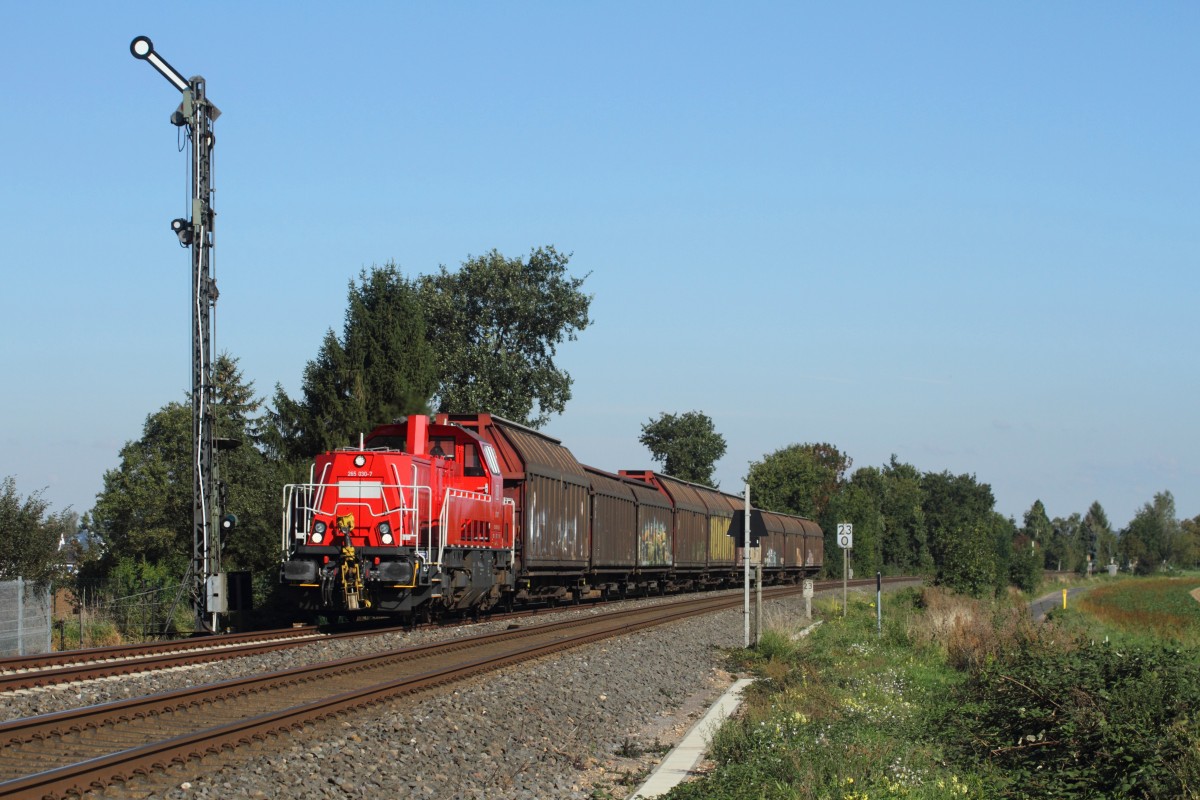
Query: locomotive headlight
x=385, y=533
x=360, y=461
x=318, y=532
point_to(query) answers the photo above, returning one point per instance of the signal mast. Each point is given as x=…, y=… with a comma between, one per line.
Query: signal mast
x=197, y=114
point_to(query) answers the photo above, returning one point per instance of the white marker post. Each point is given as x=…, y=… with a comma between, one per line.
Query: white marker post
x=845, y=536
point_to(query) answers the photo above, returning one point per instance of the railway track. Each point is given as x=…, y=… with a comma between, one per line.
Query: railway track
x=68, y=752
x=27, y=672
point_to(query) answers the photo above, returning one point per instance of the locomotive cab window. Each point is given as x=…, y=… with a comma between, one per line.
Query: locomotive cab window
x=442, y=446
x=472, y=468
x=387, y=443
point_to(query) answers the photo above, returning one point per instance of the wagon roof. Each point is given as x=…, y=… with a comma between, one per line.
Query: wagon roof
x=524, y=451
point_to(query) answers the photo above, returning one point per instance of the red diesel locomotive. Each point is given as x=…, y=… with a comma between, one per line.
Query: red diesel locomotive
x=467, y=512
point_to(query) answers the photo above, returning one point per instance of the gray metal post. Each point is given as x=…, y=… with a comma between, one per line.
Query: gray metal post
x=198, y=114
x=746, y=567
x=758, y=603
x=879, y=602
x=20, y=616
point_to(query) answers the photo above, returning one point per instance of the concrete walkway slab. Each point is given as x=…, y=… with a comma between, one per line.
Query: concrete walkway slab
x=680, y=762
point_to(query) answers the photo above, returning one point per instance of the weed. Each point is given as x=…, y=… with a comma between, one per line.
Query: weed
x=629, y=749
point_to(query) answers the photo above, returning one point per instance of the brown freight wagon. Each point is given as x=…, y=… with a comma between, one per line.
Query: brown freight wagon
x=613, y=528
x=722, y=548
x=690, y=530
x=814, y=547
x=655, y=533
x=772, y=546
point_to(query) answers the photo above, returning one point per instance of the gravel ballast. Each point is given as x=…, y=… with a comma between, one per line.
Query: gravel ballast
x=568, y=726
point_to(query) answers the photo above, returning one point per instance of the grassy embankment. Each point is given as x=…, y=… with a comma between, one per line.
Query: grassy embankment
x=963, y=699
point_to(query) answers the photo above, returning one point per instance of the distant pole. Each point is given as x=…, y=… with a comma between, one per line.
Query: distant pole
x=879, y=602
x=746, y=567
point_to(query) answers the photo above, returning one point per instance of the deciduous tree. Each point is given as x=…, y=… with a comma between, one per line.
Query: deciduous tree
x=29, y=534
x=495, y=325
x=1153, y=537
x=687, y=445
x=959, y=508
x=799, y=479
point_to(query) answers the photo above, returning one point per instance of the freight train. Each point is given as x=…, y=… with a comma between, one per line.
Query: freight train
x=465, y=513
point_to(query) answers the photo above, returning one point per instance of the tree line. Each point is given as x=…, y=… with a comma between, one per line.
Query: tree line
x=930, y=523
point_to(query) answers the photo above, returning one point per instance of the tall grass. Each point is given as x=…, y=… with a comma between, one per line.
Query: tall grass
x=958, y=699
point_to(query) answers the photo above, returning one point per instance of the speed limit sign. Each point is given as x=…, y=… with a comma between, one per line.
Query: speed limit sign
x=845, y=535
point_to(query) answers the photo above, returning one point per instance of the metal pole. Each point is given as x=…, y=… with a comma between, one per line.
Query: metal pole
x=879, y=602
x=746, y=568
x=198, y=114
x=20, y=616
x=845, y=573
x=758, y=603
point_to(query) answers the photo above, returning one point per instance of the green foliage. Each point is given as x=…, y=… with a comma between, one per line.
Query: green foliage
x=1024, y=566
x=906, y=536
x=495, y=326
x=799, y=479
x=859, y=503
x=958, y=512
x=969, y=561
x=838, y=714
x=29, y=535
x=144, y=599
x=1037, y=525
x=382, y=367
x=1083, y=720
x=145, y=508
x=687, y=445
x=144, y=511
x=1097, y=536
x=1154, y=538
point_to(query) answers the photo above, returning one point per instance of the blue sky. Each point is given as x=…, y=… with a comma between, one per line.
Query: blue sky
x=963, y=233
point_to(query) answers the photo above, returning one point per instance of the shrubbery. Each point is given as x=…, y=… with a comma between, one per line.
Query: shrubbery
x=959, y=698
x=1077, y=719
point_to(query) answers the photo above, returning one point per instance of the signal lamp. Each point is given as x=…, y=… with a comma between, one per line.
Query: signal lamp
x=183, y=230
x=360, y=460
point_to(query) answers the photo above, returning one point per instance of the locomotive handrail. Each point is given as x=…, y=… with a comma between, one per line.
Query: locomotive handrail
x=510, y=509
x=306, y=499
x=444, y=517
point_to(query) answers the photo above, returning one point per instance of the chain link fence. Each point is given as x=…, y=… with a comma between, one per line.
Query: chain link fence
x=26, y=620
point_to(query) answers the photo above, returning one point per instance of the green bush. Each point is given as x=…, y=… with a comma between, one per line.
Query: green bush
x=1083, y=720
